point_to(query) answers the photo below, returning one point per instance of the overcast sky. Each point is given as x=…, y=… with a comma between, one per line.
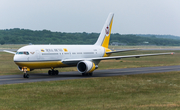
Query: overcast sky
x=131, y=16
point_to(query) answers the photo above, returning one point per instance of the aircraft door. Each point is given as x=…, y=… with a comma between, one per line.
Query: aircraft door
x=38, y=54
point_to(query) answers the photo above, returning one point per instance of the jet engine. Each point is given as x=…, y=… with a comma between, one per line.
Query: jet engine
x=86, y=67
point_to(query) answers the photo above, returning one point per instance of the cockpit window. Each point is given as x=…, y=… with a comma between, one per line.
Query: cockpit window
x=21, y=53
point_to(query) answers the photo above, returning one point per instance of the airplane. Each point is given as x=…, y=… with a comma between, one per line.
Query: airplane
x=85, y=57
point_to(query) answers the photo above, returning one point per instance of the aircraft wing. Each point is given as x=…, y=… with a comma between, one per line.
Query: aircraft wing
x=114, y=57
x=9, y=51
x=130, y=56
x=116, y=51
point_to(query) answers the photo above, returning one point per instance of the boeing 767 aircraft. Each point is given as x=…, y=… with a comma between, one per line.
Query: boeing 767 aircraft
x=85, y=57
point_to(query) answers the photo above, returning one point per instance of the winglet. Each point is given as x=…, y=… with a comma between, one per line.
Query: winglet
x=104, y=37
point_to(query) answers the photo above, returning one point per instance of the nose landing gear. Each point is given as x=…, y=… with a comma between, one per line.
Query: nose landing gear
x=25, y=73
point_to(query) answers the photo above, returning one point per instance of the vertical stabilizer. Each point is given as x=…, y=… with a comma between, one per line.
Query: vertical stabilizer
x=104, y=37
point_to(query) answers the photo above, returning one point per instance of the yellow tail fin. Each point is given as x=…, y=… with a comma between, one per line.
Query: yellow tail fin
x=104, y=37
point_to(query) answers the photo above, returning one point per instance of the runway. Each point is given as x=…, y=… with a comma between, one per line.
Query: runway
x=14, y=79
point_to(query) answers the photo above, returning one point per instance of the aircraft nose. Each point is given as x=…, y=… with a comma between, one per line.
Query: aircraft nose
x=18, y=58
x=15, y=58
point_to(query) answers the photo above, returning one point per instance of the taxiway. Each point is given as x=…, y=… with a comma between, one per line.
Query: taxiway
x=14, y=79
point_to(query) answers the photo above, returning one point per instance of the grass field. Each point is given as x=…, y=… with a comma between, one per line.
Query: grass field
x=13, y=46
x=143, y=92
x=157, y=91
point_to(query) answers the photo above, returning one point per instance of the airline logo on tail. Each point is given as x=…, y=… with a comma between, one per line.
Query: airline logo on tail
x=107, y=31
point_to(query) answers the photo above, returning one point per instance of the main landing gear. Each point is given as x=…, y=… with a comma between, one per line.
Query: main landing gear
x=53, y=72
x=87, y=74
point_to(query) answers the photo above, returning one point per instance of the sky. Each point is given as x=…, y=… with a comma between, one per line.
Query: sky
x=130, y=16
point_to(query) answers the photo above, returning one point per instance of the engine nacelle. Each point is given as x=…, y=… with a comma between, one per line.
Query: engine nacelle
x=86, y=67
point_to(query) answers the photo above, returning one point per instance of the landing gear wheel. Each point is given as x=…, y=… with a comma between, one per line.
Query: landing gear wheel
x=90, y=74
x=56, y=72
x=49, y=72
x=26, y=75
x=87, y=74
x=52, y=72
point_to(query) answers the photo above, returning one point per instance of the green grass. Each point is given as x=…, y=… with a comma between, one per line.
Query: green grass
x=12, y=46
x=157, y=91
x=146, y=91
x=9, y=67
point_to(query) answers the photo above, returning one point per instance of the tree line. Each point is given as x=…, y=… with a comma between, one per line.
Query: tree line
x=26, y=36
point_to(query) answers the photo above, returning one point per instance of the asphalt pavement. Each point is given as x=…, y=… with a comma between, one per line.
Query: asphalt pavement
x=14, y=79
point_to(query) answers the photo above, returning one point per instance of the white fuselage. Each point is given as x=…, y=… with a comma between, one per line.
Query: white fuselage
x=42, y=53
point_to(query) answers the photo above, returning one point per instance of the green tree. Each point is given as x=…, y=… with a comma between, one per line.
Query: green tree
x=2, y=41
